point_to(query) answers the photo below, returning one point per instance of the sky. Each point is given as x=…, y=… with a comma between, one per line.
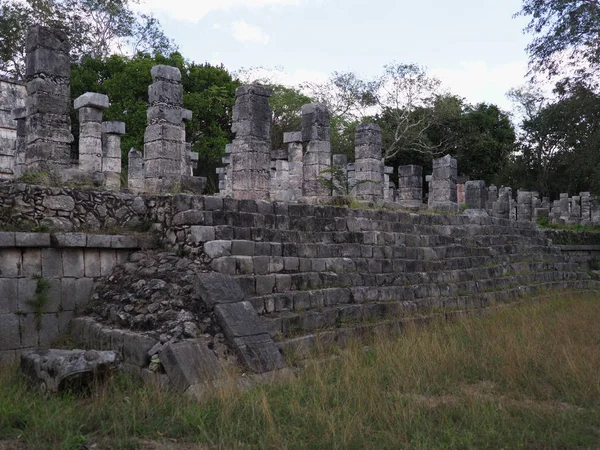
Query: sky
x=475, y=47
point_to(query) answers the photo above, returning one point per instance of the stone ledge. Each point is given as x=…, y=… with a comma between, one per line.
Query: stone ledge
x=10, y=239
x=579, y=248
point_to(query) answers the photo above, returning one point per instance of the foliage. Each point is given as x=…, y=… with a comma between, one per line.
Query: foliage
x=557, y=141
x=286, y=103
x=526, y=377
x=565, y=37
x=96, y=28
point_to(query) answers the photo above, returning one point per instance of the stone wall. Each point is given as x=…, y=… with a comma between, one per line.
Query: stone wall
x=60, y=267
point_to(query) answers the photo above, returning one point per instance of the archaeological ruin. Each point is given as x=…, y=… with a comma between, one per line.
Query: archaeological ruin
x=181, y=284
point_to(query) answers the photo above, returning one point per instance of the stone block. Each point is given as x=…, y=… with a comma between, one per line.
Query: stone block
x=69, y=239
x=164, y=72
x=10, y=337
x=7, y=239
x=51, y=38
x=10, y=263
x=165, y=92
x=217, y=249
x=99, y=241
x=48, y=62
x=239, y=320
x=292, y=137
x=73, y=263
x=32, y=262
x=202, y=233
x=164, y=113
x=52, y=265
x=217, y=288
x=49, y=329
x=189, y=362
x=160, y=132
x=9, y=287
x=122, y=242
x=92, y=100
x=108, y=262
x=32, y=239
x=113, y=127
x=27, y=288
x=41, y=102
x=225, y=264
x=242, y=248
x=260, y=354
x=136, y=347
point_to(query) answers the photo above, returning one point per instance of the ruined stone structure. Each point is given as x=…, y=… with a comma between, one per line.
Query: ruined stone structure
x=368, y=167
x=317, y=156
x=410, y=185
x=442, y=184
x=12, y=95
x=48, y=125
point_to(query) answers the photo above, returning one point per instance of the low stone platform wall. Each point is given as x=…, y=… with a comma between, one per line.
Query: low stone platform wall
x=586, y=255
x=45, y=277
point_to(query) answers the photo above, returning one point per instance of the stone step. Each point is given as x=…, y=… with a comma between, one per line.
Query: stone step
x=284, y=282
x=315, y=299
x=301, y=346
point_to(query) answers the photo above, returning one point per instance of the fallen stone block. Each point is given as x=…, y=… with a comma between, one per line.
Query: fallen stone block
x=52, y=368
x=217, y=288
x=189, y=362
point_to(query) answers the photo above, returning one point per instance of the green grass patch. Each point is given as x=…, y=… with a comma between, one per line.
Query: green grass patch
x=521, y=377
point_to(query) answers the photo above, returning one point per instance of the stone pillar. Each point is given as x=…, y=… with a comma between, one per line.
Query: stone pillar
x=19, y=115
x=295, y=163
x=564, y=208
x=164, y=140
x=367, y=165
x=586, y=208
x=186, y=161
x=111, y=153
x=410, y=185
x=502, y=207
x=90, y=106
x=492, y=196
x=575, y=215
x=12, y=98
x=251, y=148
x=317, y=157
x=279, y=183
x=388, y=185
x=460, y=194
x=524, y=206
x=48, y=101
x=135, y=171
x=476, y=195
x=442, y=192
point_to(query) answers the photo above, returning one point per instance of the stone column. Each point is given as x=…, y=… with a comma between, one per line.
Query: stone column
x=442, y=192
x=410, y=185
x=90, y=106
x=388, y=185
x=12, y=98
x=586, y=208
x=164, y=140
x=564, y=208
x=20, y=115
x=476, y=195
x=48, y=101
x=502, y=207
x=251, y=148
x=186, y=160
x=367, y=165
x=575, y=216
x=295, y=163
x=111, y=153
x=492, y=196
x=279, y=183
x=317, y=157
x=524, y=206
x=135, y=171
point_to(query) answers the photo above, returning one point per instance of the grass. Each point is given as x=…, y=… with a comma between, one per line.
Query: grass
x=522, y=377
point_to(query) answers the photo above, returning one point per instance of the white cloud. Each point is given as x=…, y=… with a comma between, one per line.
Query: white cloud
x=244, y=32
x=278, y=75
x=195, y=10
x=478, y=82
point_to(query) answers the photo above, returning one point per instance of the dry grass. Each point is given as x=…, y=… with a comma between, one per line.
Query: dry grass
x=525, y=377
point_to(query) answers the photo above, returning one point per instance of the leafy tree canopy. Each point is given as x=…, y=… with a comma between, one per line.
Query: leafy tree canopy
x=566, y=37
x=96, y=28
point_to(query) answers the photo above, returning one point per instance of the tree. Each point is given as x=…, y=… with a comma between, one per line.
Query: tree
x=566, y=37
x=558, y=142
x=96, y=28
x=405, y=96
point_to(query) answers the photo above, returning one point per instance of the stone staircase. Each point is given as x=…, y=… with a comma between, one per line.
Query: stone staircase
x=325, y=272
